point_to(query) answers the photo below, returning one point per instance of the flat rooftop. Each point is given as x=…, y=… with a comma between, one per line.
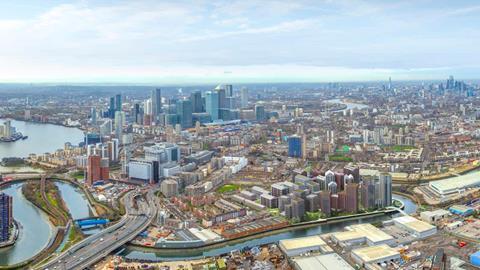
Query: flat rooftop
x=303, y=242
x=322, y=262
x=375, y=253
x=370, y=232
x=414, y=224
x=455, y=183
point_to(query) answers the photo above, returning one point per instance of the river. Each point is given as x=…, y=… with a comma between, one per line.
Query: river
x=140, y=254
x=42, y=138
x=36, y=230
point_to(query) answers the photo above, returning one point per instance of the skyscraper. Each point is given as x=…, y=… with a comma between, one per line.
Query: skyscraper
x=351, y=200
x=229, y=90
x=244, y=97
x=184, y=112
x=221, y=96
x=385, y=182
x=211, y=104
x=260, y=112
x=295, y=146
x=6, y=216
x=93, y=115
x=368, y=194
x=156, y=103
x=111, y=108
x=118, y=102
x=325, y=202
x=119, y=123
x=196, y=99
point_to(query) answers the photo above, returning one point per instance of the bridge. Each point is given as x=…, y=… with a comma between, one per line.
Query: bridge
x=94, y=248
x=91, y=222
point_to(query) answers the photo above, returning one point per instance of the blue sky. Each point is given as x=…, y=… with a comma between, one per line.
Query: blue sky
x=237, y=41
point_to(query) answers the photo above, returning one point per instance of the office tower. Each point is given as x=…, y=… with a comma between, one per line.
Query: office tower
x=385, y=182
x=294, y=146
x=389, y=83
x=196, y=99
x=229, y=90
x=367, y=193
x=136, y=114
x=6, y=217
x=244, y=97
x=106, y=128
x=156, y=99
x=118, y=102
x=184, y=113
x=93, y=115
x=111, y=108
x=351, y=200
x=260, y=112
x=211, y=105
x=221, y=96
x=119, y=123
x=325, y=202
x=354, y=171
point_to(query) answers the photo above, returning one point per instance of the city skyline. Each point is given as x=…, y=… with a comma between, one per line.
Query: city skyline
x=239, y=42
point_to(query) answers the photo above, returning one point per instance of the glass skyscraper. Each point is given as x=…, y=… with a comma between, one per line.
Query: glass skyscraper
x=212, y=104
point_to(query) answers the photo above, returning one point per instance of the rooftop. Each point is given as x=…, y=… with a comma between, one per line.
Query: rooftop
x=303, y=242
x=322, y=262
x=414, y=224
x=374, y=253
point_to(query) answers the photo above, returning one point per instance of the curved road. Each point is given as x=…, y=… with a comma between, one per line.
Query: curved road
x=94, y=248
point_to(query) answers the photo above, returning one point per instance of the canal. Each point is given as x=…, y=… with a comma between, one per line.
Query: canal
x=36, y=230
x=144, y=254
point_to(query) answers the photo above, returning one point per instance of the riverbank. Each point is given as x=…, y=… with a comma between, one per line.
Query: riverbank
x=292, y=227
x=15, y=232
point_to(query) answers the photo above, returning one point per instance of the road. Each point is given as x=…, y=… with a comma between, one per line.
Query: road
x=139, y=214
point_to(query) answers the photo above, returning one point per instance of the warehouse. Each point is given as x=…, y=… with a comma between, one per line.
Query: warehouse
x=414, y=226
x=455, y=184
x=321, y=262
x=362, y=233
x=375, y=255
x=434, y=216
x=297, y=246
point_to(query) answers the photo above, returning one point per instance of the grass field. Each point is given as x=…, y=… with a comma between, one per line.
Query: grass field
x=340, y=158
x=228, y=188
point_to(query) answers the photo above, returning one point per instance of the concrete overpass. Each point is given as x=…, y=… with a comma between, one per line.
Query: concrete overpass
x=94, y=248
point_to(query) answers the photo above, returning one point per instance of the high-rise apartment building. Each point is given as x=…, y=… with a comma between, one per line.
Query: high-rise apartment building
x=6, y=217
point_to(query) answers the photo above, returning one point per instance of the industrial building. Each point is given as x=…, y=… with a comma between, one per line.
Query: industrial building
x=416, y=227
x=434, y=216
x=455, y=184
x=321, y=262
x=360, y=234
x=375, y=255
x=461, y=210
x=297, y=246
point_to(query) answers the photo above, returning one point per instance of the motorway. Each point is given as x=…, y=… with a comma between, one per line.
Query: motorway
x=139, y=214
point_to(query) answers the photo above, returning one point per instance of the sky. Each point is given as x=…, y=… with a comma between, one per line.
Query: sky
x=238, y=41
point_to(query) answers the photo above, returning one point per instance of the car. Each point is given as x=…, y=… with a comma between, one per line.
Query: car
x=101, y=239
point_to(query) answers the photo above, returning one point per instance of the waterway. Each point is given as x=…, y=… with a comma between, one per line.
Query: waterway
x=139, y=254
x=350, y=105
x=42, y=138
x=36, y=231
